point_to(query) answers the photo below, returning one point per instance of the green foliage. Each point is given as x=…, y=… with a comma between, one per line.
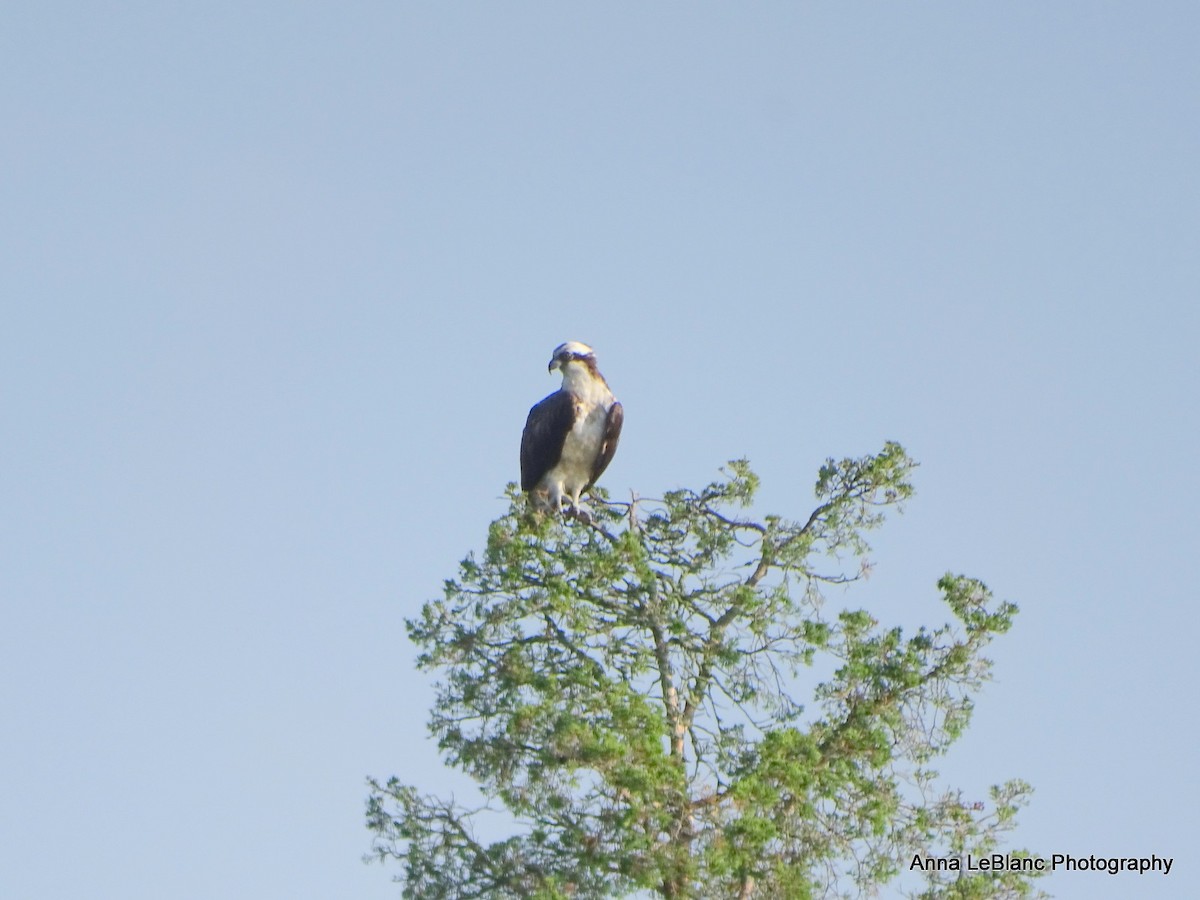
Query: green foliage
x=625, y=690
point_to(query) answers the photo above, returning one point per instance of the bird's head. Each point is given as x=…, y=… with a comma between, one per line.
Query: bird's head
x=569, y=352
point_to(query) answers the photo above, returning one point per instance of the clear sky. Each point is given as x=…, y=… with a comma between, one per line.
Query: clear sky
x=280, y=282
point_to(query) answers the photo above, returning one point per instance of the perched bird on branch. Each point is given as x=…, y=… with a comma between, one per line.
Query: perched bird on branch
x=571, y=436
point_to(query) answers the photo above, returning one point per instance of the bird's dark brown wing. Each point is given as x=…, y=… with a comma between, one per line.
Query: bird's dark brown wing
x=612, y=434
x=544, y=435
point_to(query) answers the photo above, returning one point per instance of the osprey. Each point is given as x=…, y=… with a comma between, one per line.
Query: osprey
x=571, y=436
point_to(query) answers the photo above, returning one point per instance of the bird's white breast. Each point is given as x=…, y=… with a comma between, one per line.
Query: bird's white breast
x=583, y=442
x=582, y=446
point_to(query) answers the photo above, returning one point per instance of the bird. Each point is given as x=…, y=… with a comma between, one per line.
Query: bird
x=570, y=436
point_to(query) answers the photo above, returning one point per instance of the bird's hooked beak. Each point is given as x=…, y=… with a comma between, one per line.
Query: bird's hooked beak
x=555, y=363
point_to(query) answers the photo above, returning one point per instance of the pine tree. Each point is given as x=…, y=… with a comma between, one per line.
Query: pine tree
x=625, y=690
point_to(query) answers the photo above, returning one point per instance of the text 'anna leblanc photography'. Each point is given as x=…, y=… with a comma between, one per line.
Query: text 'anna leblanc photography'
x=1000, y=862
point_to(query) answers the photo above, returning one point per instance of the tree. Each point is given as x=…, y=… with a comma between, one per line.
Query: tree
x=623, y=689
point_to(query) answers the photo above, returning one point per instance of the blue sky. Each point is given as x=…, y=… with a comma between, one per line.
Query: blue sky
x=280, y=284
